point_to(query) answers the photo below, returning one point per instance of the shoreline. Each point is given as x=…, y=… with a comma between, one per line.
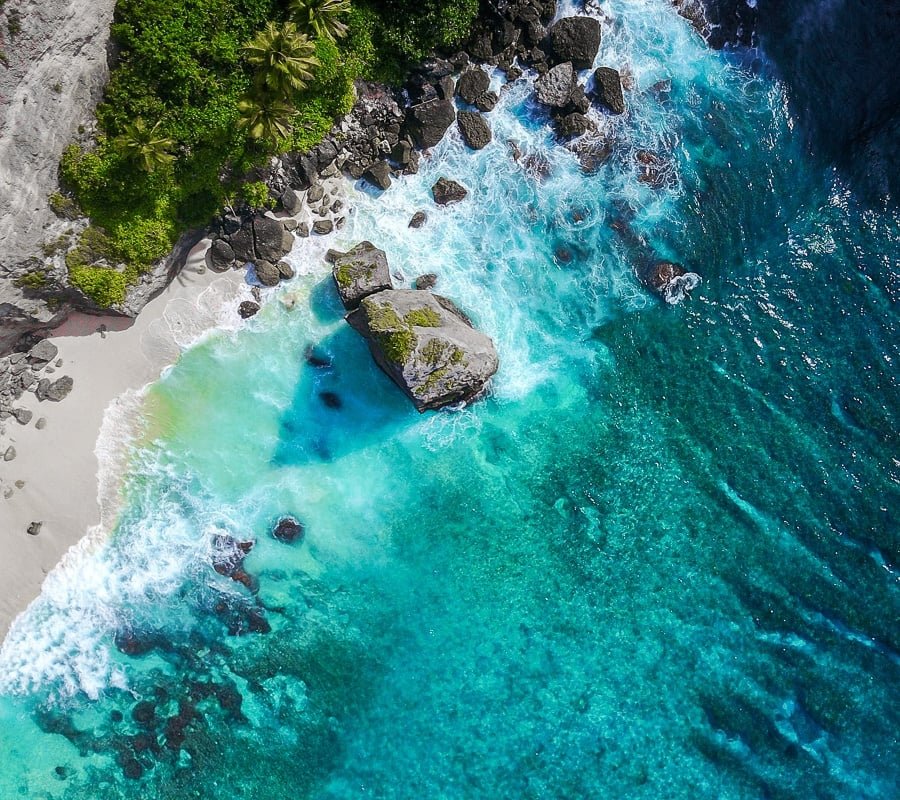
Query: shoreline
x=59, y=463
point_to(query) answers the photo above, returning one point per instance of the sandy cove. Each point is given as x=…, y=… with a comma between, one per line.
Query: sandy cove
x=58, y=464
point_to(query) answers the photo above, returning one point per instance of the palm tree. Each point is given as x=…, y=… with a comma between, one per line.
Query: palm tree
x=283, y=56
x=320, y=17
x=144, y=145
x=266, y=118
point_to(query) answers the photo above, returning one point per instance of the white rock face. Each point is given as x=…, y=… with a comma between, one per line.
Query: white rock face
x=56, y=74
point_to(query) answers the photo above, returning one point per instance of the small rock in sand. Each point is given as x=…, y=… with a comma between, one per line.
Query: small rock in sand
x=35, y=528
x=23, y=415
x=60, y=388
x=41, y=423
x=10, y=453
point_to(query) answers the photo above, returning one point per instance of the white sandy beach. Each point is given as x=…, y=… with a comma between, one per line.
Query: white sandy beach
x=58, y=463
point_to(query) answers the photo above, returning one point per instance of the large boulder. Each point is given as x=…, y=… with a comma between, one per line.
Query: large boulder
x=428, y=122
x=272, y=241
x=220, y=256
x=446, y=191
x=426, y=346
x=575, y=39
x=359, y=272
x=472, y=84
x=554, y=88
x=608, y=89
x=475, y=131
x=379, y=174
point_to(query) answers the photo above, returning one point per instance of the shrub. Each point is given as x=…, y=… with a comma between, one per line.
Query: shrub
x=31, y=280
x=104, y=285
x=257, y=195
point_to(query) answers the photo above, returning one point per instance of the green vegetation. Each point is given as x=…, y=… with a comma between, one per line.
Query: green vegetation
x=256, y=195
x=14, y=22
x=32, y=280
x=395, y=336
x=423, y=317
x=205, y=90
x=63, y=206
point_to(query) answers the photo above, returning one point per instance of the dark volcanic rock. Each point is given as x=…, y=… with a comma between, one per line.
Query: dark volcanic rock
x=359, y=272
x=473, y=83
x=288, y=530
x=379, y=174
x=267, y=273
x=574, y=124
x=418, y=219
x=446, y=191
x=270, y=238
x=608, y=89
x=555, y=87
x=475, y=131
x=221, y=256
x=486, y=101
x=323, y=226
x=247, y=309
x=242, y=245
x=426, y=346
x=428, y=122
x=575, y=39
x=592, y=154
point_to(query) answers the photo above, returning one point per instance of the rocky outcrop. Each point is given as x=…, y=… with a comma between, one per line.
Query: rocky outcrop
x=428, y=122
x=721, y=22
x=426, y=346
x=608, y=89
x=476, y=133
x=575, y=39
x=669, y=281
x=447, y=191
x=54, y=71
x=359, y=273
x=251, y=238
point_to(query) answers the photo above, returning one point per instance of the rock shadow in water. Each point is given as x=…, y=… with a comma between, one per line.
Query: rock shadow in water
x=342, y=403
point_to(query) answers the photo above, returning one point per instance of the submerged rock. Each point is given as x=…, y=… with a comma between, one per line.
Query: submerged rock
x=670, y=281
x=288, y=530
x=359, y=272
x=446, y=191
x=426, y=346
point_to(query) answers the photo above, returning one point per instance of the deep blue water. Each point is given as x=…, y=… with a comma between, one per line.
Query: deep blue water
x=658, y=560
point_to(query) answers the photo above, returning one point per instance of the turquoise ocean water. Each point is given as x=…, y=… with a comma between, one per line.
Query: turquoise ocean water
x=657, y=561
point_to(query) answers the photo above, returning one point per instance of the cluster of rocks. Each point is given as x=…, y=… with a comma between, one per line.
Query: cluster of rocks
x=253, y=238
x=29, y=371
x=421, y=340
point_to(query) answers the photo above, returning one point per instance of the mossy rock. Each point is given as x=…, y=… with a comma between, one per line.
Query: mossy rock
x=426, y=345
x=359, y=273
